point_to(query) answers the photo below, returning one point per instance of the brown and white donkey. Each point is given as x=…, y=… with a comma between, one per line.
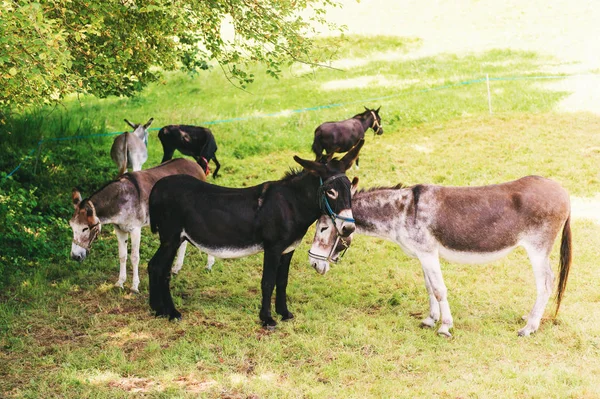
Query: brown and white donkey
x=463, y=225
x=124, y=203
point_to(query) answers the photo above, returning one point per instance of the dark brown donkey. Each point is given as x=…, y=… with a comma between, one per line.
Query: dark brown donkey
x=463, y=225
x=124, y=203
x=195, y=141
x=337, y=137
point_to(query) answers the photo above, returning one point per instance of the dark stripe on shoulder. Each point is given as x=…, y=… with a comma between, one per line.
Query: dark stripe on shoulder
x=416, y=190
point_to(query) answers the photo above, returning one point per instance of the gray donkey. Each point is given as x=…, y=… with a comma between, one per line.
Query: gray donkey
x=124, y=204
x=130, y=149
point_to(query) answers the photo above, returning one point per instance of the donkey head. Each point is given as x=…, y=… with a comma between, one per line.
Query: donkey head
x=328, y=244
x=334, y=195
x=141, y=131
x=376, y=125
x=85, y=224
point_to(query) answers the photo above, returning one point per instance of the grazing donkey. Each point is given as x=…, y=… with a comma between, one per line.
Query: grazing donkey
x=271, y=217
x=124, y=203
x=130, y=149
x=342, y=136
x=194, y=141
x=464, y=225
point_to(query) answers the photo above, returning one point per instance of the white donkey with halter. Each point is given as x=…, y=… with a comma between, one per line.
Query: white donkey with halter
x=130, y=149
x=124, y=203
x=463, y=225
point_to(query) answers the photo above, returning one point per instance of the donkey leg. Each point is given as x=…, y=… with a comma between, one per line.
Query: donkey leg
x=544, y=281
x=281, y=286
x=430, y=263
x=180, y=256
x=434, y=306
x=122, y=242
x=215, y=175
x=136, y=236
x=159, y=278
x=271, y=261
x=168, y=153
x=210, y=261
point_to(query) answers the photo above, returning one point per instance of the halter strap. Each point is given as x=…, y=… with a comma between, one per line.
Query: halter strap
x=322, y=200
x=207, y=171
x=375, y=123
x=328, y=258
x=93, y=233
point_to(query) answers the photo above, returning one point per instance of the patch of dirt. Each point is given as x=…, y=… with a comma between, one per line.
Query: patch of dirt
x=135, y=385
x=586, y=208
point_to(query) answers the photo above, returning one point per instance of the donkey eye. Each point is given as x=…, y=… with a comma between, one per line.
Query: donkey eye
x=324, y=228
x=85, y=229
x=331, y=193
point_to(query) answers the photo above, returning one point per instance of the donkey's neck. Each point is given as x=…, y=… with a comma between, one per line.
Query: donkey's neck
x=377, y=212
x=366, y=120
x=112, y=202
x=306, y=187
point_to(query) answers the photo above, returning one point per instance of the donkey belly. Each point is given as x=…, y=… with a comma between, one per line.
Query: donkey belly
x=473, y=257
x=224, y=252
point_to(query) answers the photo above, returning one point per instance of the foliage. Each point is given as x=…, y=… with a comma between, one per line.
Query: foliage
x=28, y=236
x=51, y=48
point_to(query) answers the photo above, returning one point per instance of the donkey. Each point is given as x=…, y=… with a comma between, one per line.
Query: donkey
x=271, y=217
x=195, y=141
x=342, y=136
x=124, y=203
x=464, y=225
x=130, y=149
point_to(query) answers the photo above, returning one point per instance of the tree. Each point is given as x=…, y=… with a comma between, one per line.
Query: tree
x=51, y=48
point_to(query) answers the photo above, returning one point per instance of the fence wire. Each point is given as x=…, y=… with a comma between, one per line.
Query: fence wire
x=308, y=109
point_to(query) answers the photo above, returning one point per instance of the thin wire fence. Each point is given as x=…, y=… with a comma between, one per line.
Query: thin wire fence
x=486, y=80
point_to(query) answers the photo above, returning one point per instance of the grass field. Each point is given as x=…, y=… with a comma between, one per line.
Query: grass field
x=67, y=332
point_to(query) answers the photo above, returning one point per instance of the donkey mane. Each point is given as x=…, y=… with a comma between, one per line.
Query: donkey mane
x=126, y=176
x=379, y=188
x=292, y=173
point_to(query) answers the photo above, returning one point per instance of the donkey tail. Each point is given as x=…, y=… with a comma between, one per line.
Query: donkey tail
x=565, y=262
x=123, y=165
x=154, y=210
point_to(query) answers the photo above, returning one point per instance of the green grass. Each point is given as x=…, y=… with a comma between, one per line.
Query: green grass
x=66, y=332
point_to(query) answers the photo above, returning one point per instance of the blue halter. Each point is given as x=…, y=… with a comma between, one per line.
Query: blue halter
x=324, y=203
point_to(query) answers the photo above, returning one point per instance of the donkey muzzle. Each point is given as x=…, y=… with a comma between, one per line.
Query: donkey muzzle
x=78, y=253
x=321, y=266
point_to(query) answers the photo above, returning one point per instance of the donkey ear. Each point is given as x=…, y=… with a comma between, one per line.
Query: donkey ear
x=354, y=186
x=312, y=167
x=75, y=197
x=366, y=109
x=351, y=155
x=133, y=125
x=147, y=125
x=377, y=110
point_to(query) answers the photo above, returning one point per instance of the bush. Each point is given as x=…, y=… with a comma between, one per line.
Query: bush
x=27, y=236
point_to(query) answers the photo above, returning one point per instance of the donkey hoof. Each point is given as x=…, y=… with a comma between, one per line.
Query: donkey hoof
x=119, y=284
x=134, y=290
x=445, y=334
x=525, y=332
x=175, y=316
x=269, y=324
x=287, y=316
x=429, y=322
